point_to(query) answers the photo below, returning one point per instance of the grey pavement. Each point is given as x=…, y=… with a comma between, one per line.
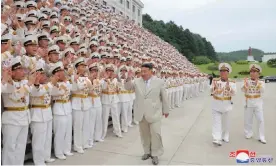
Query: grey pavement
x=187, y=137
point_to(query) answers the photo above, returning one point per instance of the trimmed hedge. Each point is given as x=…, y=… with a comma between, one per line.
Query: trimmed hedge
x=271, y=63
x=244, y=72
x=213, y=67
x=242, y=62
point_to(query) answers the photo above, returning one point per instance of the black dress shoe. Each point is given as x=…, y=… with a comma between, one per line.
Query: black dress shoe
x=146, y=156
x=155, y=160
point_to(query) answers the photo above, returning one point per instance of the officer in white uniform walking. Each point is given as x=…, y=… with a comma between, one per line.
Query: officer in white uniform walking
x=253, y=89
x=222, y=90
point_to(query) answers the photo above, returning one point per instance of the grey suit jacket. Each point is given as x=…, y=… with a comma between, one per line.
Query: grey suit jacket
x=150, y=102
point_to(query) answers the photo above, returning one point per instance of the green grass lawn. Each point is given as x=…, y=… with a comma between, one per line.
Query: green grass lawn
x=236, y=68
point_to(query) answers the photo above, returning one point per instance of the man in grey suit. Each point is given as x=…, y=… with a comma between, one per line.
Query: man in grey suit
x=150, y=106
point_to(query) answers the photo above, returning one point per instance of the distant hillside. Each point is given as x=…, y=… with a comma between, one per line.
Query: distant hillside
x=240, y=55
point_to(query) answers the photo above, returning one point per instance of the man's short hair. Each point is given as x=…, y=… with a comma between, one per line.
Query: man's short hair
x=148, y=65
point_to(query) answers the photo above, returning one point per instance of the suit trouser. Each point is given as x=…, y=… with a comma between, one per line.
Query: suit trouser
x=248, y=121
x=170, y=97
x=151, y=137
x=14, y=144
x=92, y=124
x=129, y=113
x=62, y=134
x=41, y=141
x=123, y=108
x=113, y=108
x=220, y=125
x=135, y=121
x=99, y=123
x=81, y=129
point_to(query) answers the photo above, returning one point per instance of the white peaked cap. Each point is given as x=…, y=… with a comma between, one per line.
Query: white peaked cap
x=255, y=67
x=225, y=66
x=55, y=67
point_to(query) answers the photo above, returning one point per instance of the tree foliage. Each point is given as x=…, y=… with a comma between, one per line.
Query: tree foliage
x=189, y=44
x=200, y=60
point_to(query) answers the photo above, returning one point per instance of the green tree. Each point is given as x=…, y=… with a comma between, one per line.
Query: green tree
x=186, y=42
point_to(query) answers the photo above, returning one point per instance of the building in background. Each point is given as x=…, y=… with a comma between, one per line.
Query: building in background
x=266, y=58
x=130, y=9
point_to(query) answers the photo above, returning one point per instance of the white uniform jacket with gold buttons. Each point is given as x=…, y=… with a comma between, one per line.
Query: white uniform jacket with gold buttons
x=80, y=90
x=221, y=95
x=110, y=91
x=253, y=93
x=40, y=102
x=16, y=96
x=61, y=99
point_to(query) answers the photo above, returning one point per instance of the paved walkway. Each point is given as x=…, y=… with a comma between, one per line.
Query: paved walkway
x=187, y=137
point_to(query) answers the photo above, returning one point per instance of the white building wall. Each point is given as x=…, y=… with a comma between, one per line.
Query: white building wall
x=266, y=58
x=127, y=12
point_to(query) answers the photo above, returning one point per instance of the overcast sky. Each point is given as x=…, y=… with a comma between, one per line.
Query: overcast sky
x=229, y=24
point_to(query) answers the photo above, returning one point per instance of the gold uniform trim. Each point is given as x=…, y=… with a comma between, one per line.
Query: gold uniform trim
x=16, y=108
x=41, y=106
x=252, y=96
x=222, y=98
x=80, y=95
x=109, y=93
x=61, y=101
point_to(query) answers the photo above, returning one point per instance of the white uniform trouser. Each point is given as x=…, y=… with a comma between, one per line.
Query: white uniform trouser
x=14, y=144
x=63, y=134
x=129, y=113
x=220, y=125
x=81, y=129
x=197, y=89
x=123, y=108
x=92, y=124
x=173, y=98
x=248, y=121
x=99, y=124
x=186, y=87
x=191, y=90
x=177, y=96
x=41, y=141
x=113, y=108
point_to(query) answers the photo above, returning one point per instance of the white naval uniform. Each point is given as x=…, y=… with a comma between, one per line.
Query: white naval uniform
x=173, y=83
x=95, y=117
x=41, y=125
x=15, y=123
x=221, y=105
x=110, y=105
x=197, y=80
x=177, y=92
x=254, y=106
x=186, y=88
x=81, y=104
x=124, y=105
x=62, y=119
